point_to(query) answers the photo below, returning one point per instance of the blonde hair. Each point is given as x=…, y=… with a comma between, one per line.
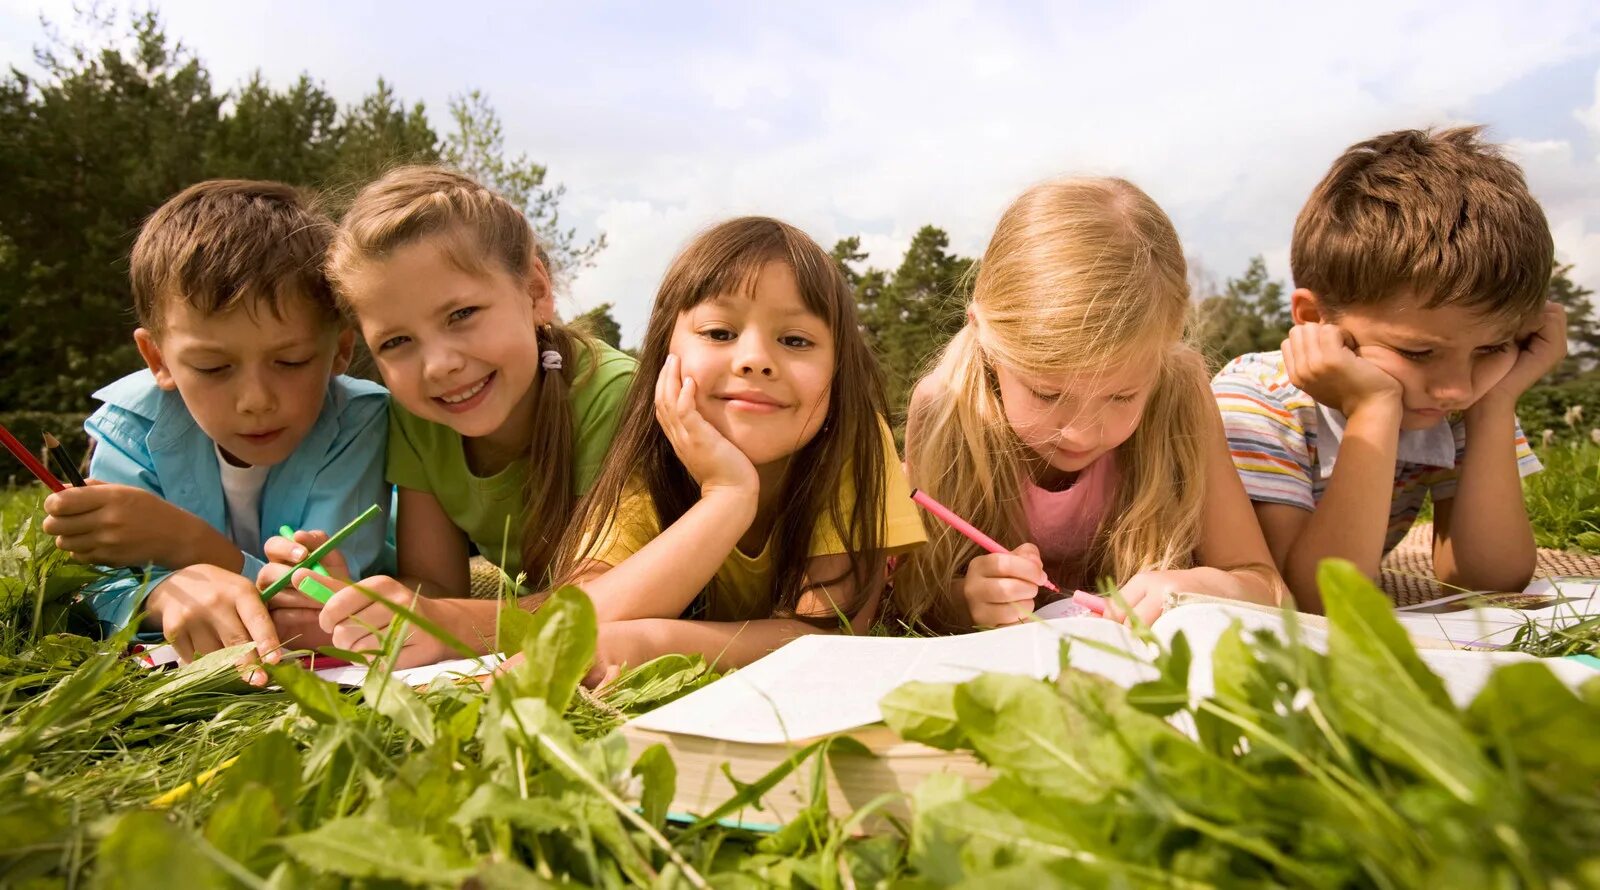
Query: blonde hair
x=1080, y=275
x=479, y=231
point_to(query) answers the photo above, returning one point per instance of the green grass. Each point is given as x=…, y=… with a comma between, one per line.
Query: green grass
x=1564, y=500
x=1309, y=770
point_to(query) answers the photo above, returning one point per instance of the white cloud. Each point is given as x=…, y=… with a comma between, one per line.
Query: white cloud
x=875, y=119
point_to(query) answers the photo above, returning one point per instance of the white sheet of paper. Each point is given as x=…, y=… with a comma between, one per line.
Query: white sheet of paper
x=355, y=674
x=821, y=684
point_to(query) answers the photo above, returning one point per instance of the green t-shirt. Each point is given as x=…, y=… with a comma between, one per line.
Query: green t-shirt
x=428, y=456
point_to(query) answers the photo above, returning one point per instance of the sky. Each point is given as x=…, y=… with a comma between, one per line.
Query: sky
x=874, y=119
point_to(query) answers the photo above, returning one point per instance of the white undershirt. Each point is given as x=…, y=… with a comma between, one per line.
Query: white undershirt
x=241, y=490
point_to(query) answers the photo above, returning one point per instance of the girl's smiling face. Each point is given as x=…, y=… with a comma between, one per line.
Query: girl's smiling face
x=762, y=363
x=454, y=347
x=1069, y=421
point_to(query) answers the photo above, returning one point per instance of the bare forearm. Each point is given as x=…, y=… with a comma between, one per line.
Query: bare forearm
x=1352, y=518
x=1251, y=584
x=1490, y=542
x=197, y=543
x=723, y=644
x=662, y=578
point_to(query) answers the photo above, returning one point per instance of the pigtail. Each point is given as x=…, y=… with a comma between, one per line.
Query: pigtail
x=551, y=485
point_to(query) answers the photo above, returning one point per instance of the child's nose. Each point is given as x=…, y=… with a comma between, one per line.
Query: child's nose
x=1451, y=388
x=439, y=362
x=255, y=396
x=752, y=359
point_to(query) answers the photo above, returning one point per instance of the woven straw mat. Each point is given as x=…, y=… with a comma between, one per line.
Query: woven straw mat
x=1408, y=569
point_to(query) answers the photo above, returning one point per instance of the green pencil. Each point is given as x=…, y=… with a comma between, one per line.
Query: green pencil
x=310, y=586
x=316, y=555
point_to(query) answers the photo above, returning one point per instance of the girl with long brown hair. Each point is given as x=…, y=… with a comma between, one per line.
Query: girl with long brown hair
x=1069, y=413
x=753, y=492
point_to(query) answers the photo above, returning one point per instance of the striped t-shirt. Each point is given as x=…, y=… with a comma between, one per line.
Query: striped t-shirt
x=1272, y=432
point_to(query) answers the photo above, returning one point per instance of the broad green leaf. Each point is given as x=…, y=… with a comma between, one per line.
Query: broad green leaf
x=1387, y=698
x=1168, y=693
x=660, y=777
x=144, y=850
x=321, y=700
x=557, y=649
x=272, y=762
x=1525, y=706
x=1019, y=726
x=365, y=848
x=924, y=712
x=495, y=802
x=243, y=821
x=1364, y=616
x=399, y=702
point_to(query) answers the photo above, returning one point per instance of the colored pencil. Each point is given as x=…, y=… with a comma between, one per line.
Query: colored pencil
x=316, y=555
x=22, y=453
x=966, y=528
x=1093, y=602
x=52, y=446
x=310, y=587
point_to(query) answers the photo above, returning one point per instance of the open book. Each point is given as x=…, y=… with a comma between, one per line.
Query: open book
x=821, y=685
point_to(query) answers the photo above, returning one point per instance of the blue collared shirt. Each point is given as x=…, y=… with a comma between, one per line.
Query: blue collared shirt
x=147, y=438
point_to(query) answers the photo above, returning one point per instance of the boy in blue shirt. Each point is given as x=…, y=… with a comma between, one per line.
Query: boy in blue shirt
x=241, y=423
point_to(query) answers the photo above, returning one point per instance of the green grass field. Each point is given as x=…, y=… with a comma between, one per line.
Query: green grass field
x=1345, y=769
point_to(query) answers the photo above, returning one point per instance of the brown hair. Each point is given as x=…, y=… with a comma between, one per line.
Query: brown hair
x=1079, y=275
x=216, y=243
x=727, y=259
x=1439, y=215
x=479, y=231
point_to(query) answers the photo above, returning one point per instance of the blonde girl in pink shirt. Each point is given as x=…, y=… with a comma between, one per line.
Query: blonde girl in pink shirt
x=1071, y=418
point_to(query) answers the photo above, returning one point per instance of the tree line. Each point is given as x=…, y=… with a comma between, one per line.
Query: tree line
x=105, y=132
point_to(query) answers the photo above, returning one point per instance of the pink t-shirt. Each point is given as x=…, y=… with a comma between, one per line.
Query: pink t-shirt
x=1062, y=523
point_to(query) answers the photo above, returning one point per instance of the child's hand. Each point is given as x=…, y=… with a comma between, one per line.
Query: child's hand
x=1146, y=593
x=1541, y=345
x=118, y=525
x=286, y=552
x=621, y=645
x=1000, y=588
x=204, y=608
x=711, y=459
x=1320, y=361
x=358, y=623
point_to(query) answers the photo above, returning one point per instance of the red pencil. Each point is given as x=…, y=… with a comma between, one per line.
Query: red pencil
x=28, y=460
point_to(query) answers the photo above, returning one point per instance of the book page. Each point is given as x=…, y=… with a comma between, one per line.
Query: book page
x=821, y=683
x=356, y=674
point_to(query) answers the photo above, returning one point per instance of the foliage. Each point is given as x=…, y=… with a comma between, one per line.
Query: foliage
x=1302, y=769
x=100, y=135
x=1250, y=315
x=1307, y=770
x=600, y=324
x=1563, y=500
x=910, y=314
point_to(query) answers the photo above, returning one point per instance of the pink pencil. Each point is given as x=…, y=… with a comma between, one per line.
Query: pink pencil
x=1093, y=603
x=949, y=518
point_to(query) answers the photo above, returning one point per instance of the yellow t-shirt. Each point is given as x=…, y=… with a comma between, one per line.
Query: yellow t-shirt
x=743, y=583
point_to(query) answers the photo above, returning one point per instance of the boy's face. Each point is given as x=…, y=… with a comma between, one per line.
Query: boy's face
x=762, y=365
x=1445, y=358
x=253, y=382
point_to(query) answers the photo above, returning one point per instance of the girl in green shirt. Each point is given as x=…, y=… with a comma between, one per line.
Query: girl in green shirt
x=501, y=415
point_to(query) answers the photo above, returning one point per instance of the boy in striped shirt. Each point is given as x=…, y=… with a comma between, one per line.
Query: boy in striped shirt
x=1421, y=267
